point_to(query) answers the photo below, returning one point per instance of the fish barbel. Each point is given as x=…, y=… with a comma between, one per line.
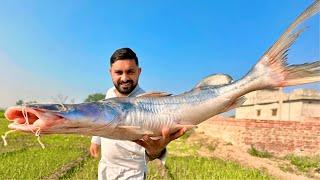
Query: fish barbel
x=130, y=118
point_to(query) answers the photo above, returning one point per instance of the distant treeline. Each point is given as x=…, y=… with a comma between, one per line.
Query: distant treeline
x=95, y=97
x=1, y=113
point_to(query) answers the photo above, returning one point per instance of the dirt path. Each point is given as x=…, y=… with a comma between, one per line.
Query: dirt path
x=63, y=170
x=227, y=151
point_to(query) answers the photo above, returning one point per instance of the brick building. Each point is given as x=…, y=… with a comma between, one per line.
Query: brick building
x=301, y=104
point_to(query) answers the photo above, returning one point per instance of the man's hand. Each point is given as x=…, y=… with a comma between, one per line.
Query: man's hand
x=155, y=147
x=94, y=150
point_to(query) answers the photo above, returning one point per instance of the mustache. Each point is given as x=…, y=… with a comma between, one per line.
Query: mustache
x=128, y=81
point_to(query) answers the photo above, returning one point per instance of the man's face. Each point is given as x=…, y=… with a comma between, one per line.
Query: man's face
x=125, y=75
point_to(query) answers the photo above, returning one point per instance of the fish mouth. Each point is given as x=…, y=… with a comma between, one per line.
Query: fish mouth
x=29, y=119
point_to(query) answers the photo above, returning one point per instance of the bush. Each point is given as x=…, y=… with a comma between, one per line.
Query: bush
x=262, y=154
x=304, y=163
x=1, y=113
x=95, y=97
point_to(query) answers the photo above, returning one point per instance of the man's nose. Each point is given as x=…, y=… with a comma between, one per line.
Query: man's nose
x=124, y=77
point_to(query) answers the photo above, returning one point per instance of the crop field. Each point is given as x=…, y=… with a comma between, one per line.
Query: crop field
x=66, y=157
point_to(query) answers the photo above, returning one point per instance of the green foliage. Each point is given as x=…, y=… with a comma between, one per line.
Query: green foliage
x=181, y=147
x=19, y=102
x=154, y=171
x=23, y=158
x=262, y=154
x=35, y=162
x=186, y=135
x=304, y=163
x=95, y=97
x=88, y=170
x=209, y=168
x=1, y=113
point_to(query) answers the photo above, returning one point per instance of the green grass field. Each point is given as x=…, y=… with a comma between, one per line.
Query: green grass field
x=66, y=157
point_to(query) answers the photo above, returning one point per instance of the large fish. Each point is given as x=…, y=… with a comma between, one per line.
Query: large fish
x=132, y=117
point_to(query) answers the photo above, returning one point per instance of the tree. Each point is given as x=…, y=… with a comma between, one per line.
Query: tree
x=19, y=102
x=59, y=99
x=1, y=113
x=95, y=97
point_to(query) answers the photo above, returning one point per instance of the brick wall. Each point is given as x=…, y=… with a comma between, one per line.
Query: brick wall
x=278, y=137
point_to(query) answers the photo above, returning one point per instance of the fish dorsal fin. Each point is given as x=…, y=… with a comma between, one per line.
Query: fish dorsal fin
x=214, y=80
x=154, y=94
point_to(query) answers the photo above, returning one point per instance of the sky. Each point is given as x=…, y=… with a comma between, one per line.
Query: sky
x=62, y=48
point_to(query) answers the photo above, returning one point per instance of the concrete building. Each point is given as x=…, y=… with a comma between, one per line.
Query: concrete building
x=301, y=104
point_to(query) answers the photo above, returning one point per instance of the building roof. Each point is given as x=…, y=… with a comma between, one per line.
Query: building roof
x=275, y=95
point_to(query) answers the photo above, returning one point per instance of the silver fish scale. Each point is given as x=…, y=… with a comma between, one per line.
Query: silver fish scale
x=155, y=113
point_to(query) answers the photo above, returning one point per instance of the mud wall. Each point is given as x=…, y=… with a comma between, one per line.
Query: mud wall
x=278, y=137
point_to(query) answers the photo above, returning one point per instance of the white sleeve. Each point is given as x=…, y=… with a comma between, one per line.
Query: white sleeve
x=96, y=140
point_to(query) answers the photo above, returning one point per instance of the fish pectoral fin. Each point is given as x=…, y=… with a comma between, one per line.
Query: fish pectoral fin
x=154, y=94
x=136, y=130
x=237, y=103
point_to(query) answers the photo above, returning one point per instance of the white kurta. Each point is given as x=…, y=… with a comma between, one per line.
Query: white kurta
x=121, y=159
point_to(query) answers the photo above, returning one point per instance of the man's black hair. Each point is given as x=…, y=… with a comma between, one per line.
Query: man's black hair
x=123, y=53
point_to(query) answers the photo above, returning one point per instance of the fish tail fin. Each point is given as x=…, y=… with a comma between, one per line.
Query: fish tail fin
x=301, y=74
x=272, y=68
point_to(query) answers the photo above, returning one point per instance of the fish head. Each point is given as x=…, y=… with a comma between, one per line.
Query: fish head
x=60, y=118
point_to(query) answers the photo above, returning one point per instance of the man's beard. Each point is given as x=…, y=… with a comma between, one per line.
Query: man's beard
x=125, y=87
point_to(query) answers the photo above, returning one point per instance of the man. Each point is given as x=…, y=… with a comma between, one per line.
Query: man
x=127, y=159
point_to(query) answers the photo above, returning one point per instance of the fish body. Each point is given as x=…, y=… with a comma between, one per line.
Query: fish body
x=132, y=117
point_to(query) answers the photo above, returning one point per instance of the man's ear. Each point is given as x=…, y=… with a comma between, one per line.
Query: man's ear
x=140, y=70
x=110, y=70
